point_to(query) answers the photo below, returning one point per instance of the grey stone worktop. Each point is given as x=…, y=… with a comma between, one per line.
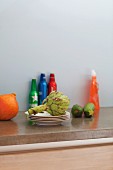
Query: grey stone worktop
x=20, y=131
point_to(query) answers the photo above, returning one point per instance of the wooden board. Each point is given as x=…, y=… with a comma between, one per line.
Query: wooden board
x=85, y=158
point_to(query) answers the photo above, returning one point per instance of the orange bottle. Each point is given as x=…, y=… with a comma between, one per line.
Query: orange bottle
x=94, y=96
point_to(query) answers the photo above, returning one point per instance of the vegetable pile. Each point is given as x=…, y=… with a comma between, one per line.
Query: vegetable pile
x=78, y=111
x=56, y=103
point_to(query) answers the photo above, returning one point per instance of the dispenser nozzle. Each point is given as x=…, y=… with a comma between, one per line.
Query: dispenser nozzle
x=93, y=73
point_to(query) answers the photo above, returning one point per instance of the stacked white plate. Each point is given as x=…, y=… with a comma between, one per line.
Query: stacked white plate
x=46, y=119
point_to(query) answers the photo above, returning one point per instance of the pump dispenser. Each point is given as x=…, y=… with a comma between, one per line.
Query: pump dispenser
x=94, y=96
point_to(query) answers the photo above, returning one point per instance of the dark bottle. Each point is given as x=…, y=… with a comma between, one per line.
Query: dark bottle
x=52, y=86
x=42, y=87
x=33, y=95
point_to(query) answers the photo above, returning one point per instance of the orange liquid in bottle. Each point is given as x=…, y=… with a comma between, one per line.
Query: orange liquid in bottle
x=94, y=97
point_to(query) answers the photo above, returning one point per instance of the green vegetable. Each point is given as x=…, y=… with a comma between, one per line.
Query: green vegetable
x=77, y=111
x=56, y=103
x=89, y=110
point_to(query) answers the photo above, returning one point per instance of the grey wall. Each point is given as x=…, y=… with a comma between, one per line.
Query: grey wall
x=67, y=37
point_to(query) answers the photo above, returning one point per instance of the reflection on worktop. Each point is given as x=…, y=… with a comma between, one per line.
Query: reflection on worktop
x=8, y=128
x=86, y=123
x=20, y=131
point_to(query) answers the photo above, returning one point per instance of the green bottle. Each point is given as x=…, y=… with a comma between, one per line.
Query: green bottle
x=33, y=95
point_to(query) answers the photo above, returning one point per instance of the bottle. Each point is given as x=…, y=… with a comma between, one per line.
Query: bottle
x=52, y=86
x=42, y=88
x=94, y=96
x=33, y=95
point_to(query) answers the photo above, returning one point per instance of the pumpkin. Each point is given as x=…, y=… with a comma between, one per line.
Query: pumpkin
x=8, y=106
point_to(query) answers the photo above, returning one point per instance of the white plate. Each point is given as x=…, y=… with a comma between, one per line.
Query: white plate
x=47, y=119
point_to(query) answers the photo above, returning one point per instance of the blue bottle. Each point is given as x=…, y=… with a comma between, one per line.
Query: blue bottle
x=42, y=87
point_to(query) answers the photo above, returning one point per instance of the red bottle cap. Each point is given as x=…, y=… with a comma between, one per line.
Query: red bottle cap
x=52, y=75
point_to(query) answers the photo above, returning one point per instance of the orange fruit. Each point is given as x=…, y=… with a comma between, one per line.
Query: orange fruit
x=8, y=106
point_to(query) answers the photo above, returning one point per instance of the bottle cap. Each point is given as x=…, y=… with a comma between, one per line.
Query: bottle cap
x=93, y=73
x=42, y=76
x=52, y=75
